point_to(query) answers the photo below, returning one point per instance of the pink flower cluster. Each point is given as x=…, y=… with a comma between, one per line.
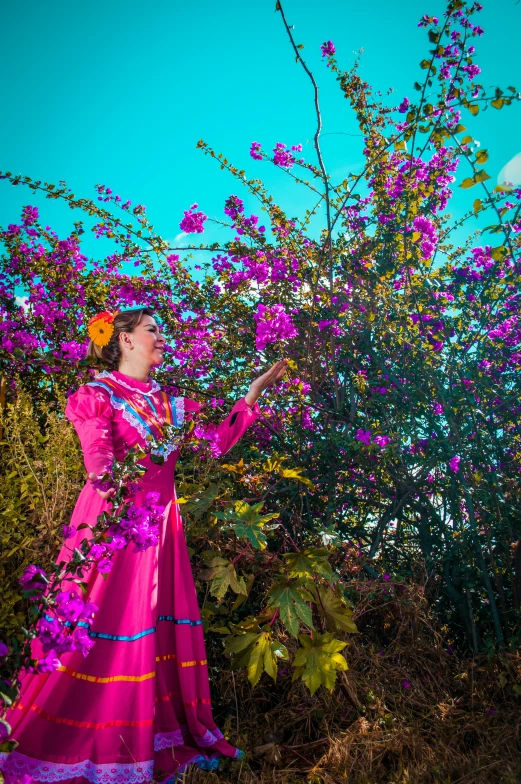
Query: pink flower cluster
x=364, y=436
x=454, y=464
x=255, y=151
x=64, y=626
x=328, y=49
x=428, y=238
x=282, y=157
x=273, y=325
x=193, y=222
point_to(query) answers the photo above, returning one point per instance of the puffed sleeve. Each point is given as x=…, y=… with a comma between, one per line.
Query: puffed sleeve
x=234, y=426
x=91, y=413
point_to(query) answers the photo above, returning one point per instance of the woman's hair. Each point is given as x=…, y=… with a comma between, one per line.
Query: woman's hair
x=110, y=355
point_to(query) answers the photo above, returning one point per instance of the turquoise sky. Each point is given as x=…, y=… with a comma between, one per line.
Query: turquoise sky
x=118, y=92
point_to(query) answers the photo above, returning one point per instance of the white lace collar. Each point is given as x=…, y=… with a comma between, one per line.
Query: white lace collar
x=154, y=386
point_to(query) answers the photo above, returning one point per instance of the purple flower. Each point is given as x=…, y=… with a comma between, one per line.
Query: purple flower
x=192, y=222
x=428, y=236
x=97, y=550
x=382, y=441
x=5, y=730
x=88, y=611
x=29, y=215
x=82, y=641
x=404, y=105
x=34, y=579
x=273, y=324
x=4, y=650
x=454, y=464
x=282, y=157
x=68, y=531
x=234, y=206
x=328, y=49
x=406, y=684
x=363, y=435
x=50, y=663
x=69, y=605
x=50, y=633
x=255, y=151
x=105, y=565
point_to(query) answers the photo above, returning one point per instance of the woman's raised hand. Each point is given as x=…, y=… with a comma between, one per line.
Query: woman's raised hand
x=105, y=494
x=267, y=379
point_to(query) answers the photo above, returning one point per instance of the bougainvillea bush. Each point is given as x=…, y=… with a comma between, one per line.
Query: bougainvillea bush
x=392, y=449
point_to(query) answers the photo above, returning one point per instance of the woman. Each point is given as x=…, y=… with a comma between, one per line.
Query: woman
x=138, y=706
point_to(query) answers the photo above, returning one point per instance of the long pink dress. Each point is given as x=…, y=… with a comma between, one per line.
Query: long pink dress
x=138, y=706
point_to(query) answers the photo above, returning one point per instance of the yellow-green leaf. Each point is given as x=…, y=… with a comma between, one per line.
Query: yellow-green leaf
x=318, y=661
x=223, y=576
x=309, y=562
x=291, y=600
x=337, y=615
x=295, y=473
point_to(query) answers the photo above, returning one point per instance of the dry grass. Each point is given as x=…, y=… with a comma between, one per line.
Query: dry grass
x=458, y=721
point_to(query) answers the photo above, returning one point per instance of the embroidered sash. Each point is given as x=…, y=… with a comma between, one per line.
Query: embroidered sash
x=147, y=412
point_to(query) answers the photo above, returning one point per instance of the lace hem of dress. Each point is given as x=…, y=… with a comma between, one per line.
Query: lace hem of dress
x=155, y=387
x=165, y=740
x=105, y=773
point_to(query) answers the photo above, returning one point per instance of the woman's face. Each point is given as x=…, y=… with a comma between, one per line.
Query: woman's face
x=147, y=343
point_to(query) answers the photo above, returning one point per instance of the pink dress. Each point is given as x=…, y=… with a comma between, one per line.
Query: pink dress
x=138, y=706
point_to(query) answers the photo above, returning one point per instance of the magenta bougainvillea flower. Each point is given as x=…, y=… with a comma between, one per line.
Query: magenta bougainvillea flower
x=193, y=222
x=328, y=49
x=273, y=325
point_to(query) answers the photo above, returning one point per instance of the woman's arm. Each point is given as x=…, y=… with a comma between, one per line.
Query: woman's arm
x=91, y=413
x=245, y=411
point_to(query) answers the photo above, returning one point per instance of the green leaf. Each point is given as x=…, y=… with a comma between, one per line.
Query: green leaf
x=425, y=64
x=468, y=182
x=482, y=157
x=498, y=253
x=337, y=615
x=481, y=176
x=309, y=562
x=466, y=140
x=240, y=643
x=478, y=205
x=247, y=522
x=498, y=103
x=473, y=108
x=291, y=600
x=318, y=661
x=295, y=473
x=258, y=653
x=223, y=576
x=200, y=502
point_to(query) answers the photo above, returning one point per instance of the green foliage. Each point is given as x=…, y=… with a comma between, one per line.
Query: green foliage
x=318, y=661
x=223, y=576
x=247, y=522
x=290, y=599
x=41, y=475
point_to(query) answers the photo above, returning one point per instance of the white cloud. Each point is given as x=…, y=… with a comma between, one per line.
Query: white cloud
x=22, y=302
x=511, y=172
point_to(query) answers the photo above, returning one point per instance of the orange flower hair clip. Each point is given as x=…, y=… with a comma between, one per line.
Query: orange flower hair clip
x=101, y=328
